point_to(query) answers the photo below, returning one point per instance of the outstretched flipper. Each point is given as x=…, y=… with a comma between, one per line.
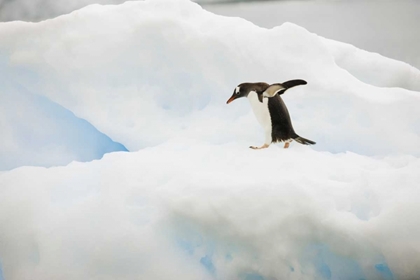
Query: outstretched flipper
x=293, y=83
x=279, y=89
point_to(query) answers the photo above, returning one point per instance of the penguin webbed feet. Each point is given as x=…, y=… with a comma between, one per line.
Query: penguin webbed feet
x=259, y=148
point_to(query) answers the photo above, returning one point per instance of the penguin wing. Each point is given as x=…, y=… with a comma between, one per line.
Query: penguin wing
x=279, y=89
x=293, y=83
x=273, y=90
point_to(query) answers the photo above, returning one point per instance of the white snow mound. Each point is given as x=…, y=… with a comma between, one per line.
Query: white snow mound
x=192, y=201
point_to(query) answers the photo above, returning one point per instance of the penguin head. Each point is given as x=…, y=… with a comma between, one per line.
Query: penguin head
x=241, y=90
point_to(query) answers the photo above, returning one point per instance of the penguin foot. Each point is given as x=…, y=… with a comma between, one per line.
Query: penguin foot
x=286, y=145
x=259, y=148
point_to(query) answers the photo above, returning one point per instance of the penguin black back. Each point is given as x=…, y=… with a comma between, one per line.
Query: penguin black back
x=282, y=128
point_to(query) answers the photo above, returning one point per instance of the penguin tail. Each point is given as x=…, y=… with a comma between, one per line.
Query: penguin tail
x=303, y=141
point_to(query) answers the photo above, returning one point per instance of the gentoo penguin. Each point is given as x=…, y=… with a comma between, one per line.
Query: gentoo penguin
x=270, y=110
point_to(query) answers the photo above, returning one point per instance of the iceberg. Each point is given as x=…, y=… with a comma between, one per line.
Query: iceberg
x=190, y=200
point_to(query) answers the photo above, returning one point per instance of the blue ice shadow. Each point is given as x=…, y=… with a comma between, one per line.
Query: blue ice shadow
x=384, y=270
x=207, y=262
x=331, y=266
x=44, y=132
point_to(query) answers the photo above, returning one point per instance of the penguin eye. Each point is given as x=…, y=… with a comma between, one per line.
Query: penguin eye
x=237, y=90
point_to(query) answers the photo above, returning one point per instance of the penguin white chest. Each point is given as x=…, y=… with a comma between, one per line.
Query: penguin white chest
x=260, y=109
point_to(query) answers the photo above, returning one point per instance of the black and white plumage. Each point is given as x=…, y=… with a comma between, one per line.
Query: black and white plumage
x=270, y=110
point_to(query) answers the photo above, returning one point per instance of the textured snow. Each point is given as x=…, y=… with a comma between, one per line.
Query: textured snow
x=191, y=201
x=383, y=26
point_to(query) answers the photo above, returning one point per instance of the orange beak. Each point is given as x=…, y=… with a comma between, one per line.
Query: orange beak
x=233, y=97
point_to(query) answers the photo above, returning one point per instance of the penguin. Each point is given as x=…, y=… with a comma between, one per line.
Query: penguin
x=270, y=111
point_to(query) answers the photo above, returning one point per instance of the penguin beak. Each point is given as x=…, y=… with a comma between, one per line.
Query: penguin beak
x=233, y=97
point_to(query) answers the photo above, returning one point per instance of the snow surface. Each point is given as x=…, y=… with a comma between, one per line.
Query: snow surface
x=387, y=27
x=37, y=131
x=192, y=201
x=384, y=26
x=36, y=10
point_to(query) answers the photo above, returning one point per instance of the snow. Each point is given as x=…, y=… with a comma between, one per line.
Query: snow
x=372, y=68
x=213, y=212
x=386, y=27
x=37, y=131
x=36, y=10
x=191, y=201
x=382, y=26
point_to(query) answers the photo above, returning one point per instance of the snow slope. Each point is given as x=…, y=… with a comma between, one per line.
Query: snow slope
x=192, y=201
x=36, y=10
x=37, y=131
x=212, y=212
x=165, y=72
x=386, y=27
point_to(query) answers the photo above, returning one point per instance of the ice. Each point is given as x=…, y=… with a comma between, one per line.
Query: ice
x=190, y=200
x=36, y=10
x=213, y=212
x=372, y=68
x=166, y=74
x=36, y=131
x=384, y=27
